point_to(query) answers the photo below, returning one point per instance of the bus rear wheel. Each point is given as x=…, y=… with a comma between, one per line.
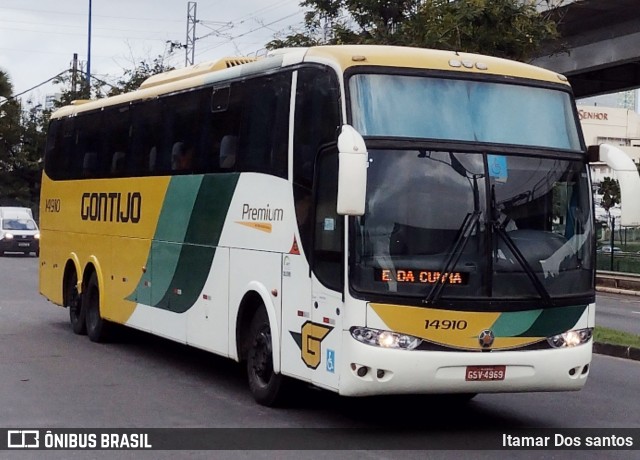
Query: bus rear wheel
x=73, y=301
x=97, y=327
x=265, y=384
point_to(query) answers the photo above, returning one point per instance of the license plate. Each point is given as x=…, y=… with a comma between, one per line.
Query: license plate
x=23, y=245
x=485, y=373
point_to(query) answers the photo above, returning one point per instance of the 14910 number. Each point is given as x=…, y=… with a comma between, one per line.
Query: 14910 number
x=445, y=324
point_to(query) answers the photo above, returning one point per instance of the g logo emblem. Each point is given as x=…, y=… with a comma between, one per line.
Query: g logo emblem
x=486, y=338
x=312, y=336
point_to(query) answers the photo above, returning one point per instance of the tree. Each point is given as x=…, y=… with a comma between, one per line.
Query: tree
x=6, y=88
x=21, y=140
x=610, y=190
x=130, y=80
x=504, y=28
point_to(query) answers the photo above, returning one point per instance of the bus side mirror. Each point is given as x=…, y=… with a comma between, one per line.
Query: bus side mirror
x=353, y=161
x=628, y=178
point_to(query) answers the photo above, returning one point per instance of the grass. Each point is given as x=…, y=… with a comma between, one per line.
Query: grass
x=627, y=263
x=611, y=336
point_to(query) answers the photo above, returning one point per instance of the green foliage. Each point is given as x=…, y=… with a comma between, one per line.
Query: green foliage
x=133, y=78
x=505, y=28
x=130, y=80
x=5, y=85
x=21, y=140
x=610, y=190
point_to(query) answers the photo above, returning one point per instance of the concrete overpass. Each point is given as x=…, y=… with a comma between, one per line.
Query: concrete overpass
x=602, y=43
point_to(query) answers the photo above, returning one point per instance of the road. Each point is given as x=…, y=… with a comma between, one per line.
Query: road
x=50, y=377
x=621, y=312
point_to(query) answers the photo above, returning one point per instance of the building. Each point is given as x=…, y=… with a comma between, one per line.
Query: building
x=608, y=125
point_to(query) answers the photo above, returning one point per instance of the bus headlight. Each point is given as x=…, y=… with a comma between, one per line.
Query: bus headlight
x=571, y=338
x=385, y=339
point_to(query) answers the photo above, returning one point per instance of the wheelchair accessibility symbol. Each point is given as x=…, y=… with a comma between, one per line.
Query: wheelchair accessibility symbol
x=331, y=360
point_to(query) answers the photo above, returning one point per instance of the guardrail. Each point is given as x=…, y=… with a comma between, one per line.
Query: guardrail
x=618, y=280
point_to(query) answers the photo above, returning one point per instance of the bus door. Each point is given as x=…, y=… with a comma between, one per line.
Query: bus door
x=296, y=312
x=324, y=339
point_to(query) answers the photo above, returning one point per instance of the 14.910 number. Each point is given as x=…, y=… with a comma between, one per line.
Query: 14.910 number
x=446, y=324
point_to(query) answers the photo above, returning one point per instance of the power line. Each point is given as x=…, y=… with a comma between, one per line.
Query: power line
x=224, y=26
x=264, y=26
x=34, y=87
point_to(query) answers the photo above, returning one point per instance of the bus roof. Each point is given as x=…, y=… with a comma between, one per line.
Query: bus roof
x=342, y=56
x=420, y=58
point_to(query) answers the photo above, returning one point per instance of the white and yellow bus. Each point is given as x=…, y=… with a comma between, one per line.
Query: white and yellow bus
x=371, y=220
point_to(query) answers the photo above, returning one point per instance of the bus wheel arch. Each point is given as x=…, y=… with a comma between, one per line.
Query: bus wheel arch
x=256, y=334
x=72, y=298
x=255, y=298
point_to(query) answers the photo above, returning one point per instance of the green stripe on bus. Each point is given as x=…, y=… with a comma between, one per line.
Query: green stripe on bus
x=189, y=229
x=178, y=208
x=201, y=237
x=537, y=323
x=512, y=324
x=554, y=321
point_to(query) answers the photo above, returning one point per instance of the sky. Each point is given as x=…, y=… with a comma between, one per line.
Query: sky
x=39, y=37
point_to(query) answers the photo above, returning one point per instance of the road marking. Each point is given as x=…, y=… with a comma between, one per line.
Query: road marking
x=636, y=312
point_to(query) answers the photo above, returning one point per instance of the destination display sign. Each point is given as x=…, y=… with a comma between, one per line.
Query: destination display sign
x=420, y=276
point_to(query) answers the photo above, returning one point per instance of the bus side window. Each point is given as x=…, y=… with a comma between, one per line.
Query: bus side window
x=89, y=158
x=116, y=141
x=262, y=142
x=60, y=141
x=146, y=136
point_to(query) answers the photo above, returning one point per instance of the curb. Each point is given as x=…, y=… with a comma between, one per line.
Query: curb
x=617, y=291
x=619, y=351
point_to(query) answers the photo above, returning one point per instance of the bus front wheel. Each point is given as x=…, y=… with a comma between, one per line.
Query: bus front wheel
x=73, y=301
x=265, y=384
x=97, y=327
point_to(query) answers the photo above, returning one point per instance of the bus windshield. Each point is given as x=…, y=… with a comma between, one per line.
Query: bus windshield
x=462, y=110
x=478, y=224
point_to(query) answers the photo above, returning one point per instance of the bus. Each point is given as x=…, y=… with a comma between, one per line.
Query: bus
x=366, y=219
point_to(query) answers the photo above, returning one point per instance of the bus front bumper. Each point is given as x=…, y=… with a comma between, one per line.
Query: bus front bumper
x=368, y=370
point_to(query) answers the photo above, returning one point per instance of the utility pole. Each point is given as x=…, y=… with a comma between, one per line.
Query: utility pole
x=74, y=75
x=191, y=34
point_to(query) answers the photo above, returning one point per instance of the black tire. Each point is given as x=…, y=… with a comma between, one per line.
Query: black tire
x=265, y=385
x=73, y=301
x=97, y=327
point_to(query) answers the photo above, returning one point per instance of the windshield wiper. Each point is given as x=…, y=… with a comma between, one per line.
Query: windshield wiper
x=498, y=226
x=466, y=230
x=542, y=291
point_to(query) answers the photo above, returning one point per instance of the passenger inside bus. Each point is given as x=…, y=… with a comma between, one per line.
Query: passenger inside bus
x=181, y=157
x=228, y=149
